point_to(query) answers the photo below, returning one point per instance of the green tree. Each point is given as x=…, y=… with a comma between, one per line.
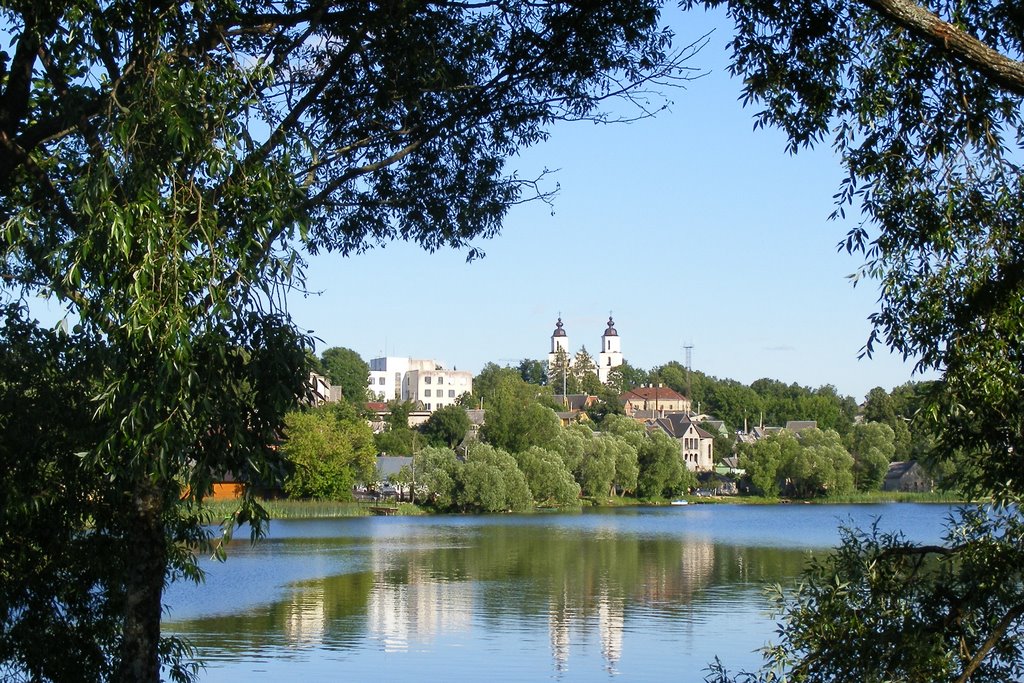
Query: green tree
x=515, y=420
x=625, y=377
x=446, y=426
x=161, y=166
x=872, y=446
x=397, y=438
x=822, y=465
x=607, y=403
x=762, y=461
x=736, y=404
x=329, y=449
x=490, y=481
x=627, y=466
x=585, y=371
x=571, y=444
x=869, y=610
x=533, y=371
x=662, y=472
x=596, y=470
x=561, y=376
x=673, y=375
x=550, y=481
x=922, y=105
x=485, y=384
x=59, y=583
x=347, y=369
x=880, y=406
x=437, y=472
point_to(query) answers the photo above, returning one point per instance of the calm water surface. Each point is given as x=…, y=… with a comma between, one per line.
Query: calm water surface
x=634, y=594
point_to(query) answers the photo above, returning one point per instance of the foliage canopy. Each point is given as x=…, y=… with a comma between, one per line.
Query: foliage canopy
x=161, y=165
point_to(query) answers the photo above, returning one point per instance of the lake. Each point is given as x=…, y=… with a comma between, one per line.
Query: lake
x=634, y=594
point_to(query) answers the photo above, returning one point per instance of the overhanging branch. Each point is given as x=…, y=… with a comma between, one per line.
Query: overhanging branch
x=1002, y=70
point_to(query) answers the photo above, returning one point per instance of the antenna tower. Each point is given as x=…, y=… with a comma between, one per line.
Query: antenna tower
x=688, y=347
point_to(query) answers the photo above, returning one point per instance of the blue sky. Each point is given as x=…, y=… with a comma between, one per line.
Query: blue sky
x=690, y=228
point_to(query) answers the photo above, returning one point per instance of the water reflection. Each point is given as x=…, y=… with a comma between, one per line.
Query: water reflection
x=518, y=600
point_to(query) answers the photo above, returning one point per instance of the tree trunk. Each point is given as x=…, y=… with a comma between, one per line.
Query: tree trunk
x=144, y=582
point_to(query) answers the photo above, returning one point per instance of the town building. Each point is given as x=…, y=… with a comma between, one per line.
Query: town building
x=696, y=446
x=609, y=358
x=611, y=352
x=319, y=389
x=653, y=401
x=421, y=381
x=906, y=475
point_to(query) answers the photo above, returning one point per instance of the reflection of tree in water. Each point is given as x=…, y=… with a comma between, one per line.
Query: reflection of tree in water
x=330, y=611
x=584, y=586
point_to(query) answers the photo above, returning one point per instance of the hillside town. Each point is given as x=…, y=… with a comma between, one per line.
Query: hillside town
x=402, y=396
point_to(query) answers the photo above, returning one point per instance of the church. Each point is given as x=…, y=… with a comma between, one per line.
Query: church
x=609, y=357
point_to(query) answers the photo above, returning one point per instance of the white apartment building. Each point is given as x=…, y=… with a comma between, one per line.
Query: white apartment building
x=386, y=376
x=423, y=381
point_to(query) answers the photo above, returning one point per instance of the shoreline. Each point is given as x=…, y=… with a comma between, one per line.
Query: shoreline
x=312, y=509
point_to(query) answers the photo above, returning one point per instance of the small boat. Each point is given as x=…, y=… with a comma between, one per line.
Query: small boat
x=680, y=502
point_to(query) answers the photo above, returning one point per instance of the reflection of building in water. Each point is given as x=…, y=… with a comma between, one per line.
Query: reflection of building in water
x=306, y=620
x=558, y=630
x=665, y=584
x=698, y=563
x=610, y=620
x=564, y=617
x=419, y=609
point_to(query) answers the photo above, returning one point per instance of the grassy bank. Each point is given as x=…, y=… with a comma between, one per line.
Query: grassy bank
x=326, y=509
x=313, y=509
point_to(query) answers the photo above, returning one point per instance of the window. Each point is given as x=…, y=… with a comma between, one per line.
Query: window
x=427, y=379
x=440, y=380
x=428, y=406
x=426, y=392
x=380, y=381
x=451, y=393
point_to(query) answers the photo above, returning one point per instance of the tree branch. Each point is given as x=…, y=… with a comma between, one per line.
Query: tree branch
x=998, y=632
x=1002, y=70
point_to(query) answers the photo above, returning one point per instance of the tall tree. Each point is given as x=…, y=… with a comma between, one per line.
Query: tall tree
x=533, y=371
x=872, y=446
x=585, y=371
x=922, y=104
x=446, y=427
x=485, y=384
x=561, y=377
x=328, y=450
x=515, y=420
x=347, y=369
x=160, y=164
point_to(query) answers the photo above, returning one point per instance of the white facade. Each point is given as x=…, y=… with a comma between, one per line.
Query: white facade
x=698, y=449
x=385, y=379
x=320, y=389
x=422, y=380
x=436, y=388
x=611, y=352
x=559, y=341
x=610, y=356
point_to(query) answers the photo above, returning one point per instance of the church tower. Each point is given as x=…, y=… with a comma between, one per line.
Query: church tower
x=559, y=341
x=611, y=352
